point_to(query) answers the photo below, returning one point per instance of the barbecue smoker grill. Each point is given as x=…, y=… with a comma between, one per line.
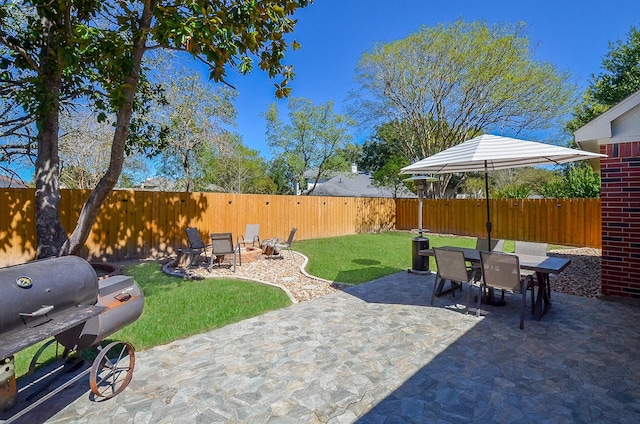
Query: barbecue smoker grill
x=62, y=298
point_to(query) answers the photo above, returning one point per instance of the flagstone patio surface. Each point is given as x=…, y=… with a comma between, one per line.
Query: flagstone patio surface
x=379, y=353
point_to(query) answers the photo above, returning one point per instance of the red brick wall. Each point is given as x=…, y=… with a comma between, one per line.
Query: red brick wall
x=621, y=219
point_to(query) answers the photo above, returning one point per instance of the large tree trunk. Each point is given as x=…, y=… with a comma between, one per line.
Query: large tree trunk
x=123, y=119
x=49, y=231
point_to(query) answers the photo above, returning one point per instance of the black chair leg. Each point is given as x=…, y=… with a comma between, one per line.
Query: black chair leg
x=524, y=302
x=533, y=297
x=469, y=296
x=435, y=288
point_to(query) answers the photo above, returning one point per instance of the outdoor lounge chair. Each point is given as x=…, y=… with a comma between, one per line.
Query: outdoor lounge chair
x=195, y=241
x=483, y=244
x=497, y=245
x=452, y=266
x=221, y=245
x=251, y=235
x=535, y=249
x=502, y=271
x=530, y=248
x=277, y=245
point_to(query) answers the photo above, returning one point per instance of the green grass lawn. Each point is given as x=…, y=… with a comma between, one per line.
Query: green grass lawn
x=176, y=308
x=359, y=258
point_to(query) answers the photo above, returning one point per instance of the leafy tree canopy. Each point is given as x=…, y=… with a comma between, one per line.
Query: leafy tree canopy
x=380, y=157
x=235, y=169
x=620, y=78
x=282, y=175
x=445, y=84
x=578, y=181
x=388, y=176
x=195, y=116
x=53, y=54
x=312, y=140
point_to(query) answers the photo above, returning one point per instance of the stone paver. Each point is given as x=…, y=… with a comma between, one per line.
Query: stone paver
x=379, y=353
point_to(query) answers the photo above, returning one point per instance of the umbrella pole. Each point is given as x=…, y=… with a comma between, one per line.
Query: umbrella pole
x=486, y=193
x=420, y=212
x=490, y=227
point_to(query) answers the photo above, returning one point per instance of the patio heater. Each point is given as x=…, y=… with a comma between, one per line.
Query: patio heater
x=420, y=264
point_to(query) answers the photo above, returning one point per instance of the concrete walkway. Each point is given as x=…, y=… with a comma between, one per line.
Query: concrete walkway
x=379, y=353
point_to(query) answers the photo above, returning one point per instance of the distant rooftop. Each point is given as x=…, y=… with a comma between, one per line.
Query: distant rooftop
x=157, y=184
x=11, y=182
x=356, y=185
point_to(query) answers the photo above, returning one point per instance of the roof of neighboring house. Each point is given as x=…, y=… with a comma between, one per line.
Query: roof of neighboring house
x=11, y=182
x=619, y=124
x=158, y=184
x=356, y=185
x=311, y=174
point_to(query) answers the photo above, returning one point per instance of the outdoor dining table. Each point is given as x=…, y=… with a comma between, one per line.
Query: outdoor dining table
x=541, y=265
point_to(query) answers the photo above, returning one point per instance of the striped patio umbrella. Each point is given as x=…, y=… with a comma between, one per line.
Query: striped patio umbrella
x=491, y=152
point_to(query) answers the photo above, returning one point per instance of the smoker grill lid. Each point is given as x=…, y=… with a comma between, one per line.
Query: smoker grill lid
x=23, y=337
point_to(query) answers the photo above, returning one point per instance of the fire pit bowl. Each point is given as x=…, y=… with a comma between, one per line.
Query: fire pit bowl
x=251, y=253
x=105, y=270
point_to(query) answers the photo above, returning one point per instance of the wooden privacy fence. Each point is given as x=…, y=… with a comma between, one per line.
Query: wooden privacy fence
x=151, y=224
x=574, y=222
x=134, y=224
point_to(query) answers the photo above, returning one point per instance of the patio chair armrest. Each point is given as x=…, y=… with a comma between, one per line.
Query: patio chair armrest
x=203, y=247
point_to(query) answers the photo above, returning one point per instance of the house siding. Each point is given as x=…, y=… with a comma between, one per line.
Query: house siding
x=620, y=173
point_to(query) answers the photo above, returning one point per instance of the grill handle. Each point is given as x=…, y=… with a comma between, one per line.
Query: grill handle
x=42, y=311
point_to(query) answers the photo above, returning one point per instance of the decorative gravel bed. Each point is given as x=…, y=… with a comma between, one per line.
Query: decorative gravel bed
x=282, y=271
x=581, y=278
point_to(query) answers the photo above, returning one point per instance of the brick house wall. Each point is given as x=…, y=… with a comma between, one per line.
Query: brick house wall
x=620, y=176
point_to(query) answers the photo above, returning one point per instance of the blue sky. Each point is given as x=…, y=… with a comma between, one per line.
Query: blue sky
x=572, y=35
